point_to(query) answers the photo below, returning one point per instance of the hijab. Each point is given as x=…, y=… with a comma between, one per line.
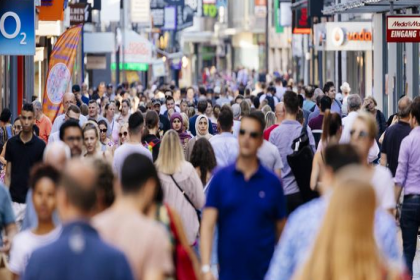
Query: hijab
x=207, y=135
x=183, y=135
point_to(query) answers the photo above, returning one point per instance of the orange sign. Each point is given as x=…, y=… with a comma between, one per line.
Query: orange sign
x=60, y=70
x=362, y=36
x=52, y=12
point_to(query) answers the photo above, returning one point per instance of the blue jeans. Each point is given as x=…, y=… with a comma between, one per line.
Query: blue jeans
x=410, y=222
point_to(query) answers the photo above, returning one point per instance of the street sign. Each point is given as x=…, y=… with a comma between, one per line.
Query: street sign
x=80, y=13
x=403, y=29
x=17, y=27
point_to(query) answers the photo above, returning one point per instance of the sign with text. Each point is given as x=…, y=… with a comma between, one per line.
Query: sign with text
x=17, y=27
x=403, y=29
x=80, y=13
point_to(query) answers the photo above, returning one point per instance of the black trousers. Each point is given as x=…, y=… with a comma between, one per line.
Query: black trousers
x=293, y=201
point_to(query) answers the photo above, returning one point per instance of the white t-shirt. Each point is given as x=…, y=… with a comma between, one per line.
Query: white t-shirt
x=24, y=244
x=236, y=127
x=383, y=184
x=270, y=157
x=125, y=151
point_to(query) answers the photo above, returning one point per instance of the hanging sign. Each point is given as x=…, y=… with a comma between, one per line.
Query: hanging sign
x=403, y=29
x=60, y=71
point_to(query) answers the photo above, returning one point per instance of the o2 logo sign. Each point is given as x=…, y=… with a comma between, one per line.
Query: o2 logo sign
x=13, y=35
x=17, y=27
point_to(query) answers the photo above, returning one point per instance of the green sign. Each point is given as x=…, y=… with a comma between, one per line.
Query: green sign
x=279, y=28
x=131, y=66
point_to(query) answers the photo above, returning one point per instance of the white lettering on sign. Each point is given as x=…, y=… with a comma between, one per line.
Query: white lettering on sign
x=17, y=30
x=404, y=34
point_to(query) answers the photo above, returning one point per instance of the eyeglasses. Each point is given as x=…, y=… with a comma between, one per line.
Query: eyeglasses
x=103, y=130
x=125, y=133
x=252, y=134
x=73, y=138
x=362, y=134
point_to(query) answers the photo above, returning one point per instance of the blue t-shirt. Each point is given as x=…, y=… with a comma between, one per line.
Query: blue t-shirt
x=247, y=215
x=7, y=216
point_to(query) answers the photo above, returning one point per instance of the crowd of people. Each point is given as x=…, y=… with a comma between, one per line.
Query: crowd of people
x=275, y=182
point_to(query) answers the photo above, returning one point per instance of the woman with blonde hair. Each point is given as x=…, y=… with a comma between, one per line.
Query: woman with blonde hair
x=345, y=247
x=331, y=133
x=92, y=143
x=362, y=137
x=270, y=119
x=182, y=188
x=265, y=109
x=123, y=134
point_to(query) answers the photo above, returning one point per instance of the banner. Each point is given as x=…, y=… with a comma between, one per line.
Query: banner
x=403, y=29
x=60, y=71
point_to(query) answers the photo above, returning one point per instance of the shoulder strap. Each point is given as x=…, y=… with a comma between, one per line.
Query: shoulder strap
x=183, y=192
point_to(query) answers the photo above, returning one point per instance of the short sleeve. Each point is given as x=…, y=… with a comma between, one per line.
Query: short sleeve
x=17, y=257
x=388, y=196
x=8, y=155
x=384, y=146
x=213, y=197
x=278, y=163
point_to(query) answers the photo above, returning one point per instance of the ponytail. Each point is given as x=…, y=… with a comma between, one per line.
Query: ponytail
x=330, y=126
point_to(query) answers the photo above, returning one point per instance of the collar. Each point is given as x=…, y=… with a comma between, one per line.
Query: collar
x=258, y=173
x=416, y=129
x=82, y=226
x=226, y=134
x=29, y=142
x=290, y=122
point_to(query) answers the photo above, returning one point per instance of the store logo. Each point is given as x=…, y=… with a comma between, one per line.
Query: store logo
x=338, y=36
x=362, y=36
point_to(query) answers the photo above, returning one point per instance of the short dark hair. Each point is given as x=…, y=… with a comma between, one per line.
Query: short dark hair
x=42, y=170
x=239, y=97
x=105, y=181
x=225, y=118
x=341, y=155
x=291, y=102
x=169, y=98
x=135, y=121
x=101, y=121
x=415, y=109
x=272, y=89
x=74, y=109
x=257, y=116
x=93, y=102
x=328, y=86
x=301, y=99
x=126, y=101
x=202, y=106
x=325, y=103
x=5, y=115
x=68, y=124
x=28, y=107
x=136, y=171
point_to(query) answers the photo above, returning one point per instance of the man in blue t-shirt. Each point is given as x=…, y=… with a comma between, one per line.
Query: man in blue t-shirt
x=246, y=202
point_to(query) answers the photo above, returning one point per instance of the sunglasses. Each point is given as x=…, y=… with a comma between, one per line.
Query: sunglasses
x=362, y=134
x=252, y=134
x=17, y=127
x=125, y=133
x=103, y=130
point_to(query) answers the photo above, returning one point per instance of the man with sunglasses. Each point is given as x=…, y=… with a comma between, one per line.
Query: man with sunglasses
x=246, y=202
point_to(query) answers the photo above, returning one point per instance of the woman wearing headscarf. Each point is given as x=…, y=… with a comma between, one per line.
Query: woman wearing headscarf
x=178, y=126
x=202, y=129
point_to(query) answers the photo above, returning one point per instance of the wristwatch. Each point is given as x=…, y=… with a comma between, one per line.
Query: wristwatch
x=205, y=269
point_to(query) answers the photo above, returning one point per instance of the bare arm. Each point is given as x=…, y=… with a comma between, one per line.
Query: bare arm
x=3, y=154
x=7, y=178
x=11, y=231
x=278, y=172
x=207, y=232
x=279, y=228
x=315, y=171
x=384, y=160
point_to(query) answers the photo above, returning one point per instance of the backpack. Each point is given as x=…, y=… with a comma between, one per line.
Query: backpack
x=300, y=161
x=270, y=101
x=150, y=145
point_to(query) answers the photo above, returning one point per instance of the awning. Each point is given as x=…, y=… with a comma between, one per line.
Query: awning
x=369, y=6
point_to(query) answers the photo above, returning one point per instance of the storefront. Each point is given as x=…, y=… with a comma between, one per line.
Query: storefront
x=355, y=42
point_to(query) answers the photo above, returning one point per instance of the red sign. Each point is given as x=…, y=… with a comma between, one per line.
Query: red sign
x=403, y=29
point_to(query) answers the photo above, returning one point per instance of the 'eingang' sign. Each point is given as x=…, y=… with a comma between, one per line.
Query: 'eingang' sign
x=403, y=29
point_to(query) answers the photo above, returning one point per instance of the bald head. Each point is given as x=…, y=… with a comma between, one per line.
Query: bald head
x=280, y=112
x=68, y=99
x=404, y=107
x=78, y=186
x=56, y=154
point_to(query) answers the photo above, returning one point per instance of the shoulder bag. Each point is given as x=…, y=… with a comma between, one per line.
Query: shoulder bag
x=198, y=212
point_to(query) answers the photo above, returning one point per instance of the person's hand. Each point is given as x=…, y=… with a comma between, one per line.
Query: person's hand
x=394, y=120
x=208, y=276
x=6, y=245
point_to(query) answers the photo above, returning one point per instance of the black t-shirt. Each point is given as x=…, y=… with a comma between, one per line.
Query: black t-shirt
x=392, y=142
x=164, y=124
x=22, y=156
x=152, y=143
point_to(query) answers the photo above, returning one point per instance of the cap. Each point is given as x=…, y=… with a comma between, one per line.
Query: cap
x=75, y=88
x=156, y=102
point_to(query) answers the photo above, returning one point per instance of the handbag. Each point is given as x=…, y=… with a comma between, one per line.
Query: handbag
x=300, y=162
x=184, y=268
x=198, y=212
